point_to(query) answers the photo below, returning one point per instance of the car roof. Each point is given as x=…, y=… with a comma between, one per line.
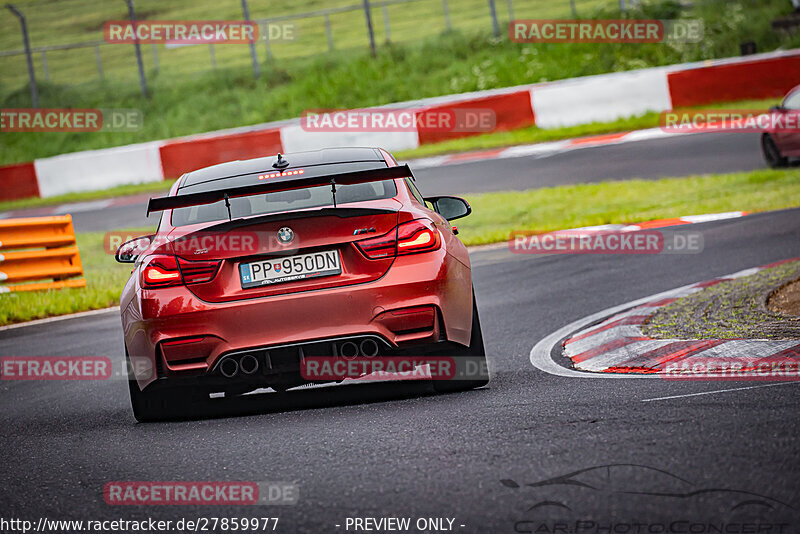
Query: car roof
x=339, y=159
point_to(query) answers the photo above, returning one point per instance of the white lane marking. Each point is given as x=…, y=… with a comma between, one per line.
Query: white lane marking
x=60, y=318
x=77, y=207
x=544, y=149
x=712, y=217
x=717, y=391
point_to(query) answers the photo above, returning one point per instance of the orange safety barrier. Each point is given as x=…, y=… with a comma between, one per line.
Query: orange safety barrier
x=39, y=248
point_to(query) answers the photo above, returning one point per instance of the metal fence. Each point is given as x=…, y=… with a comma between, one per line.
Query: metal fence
x=67, y=46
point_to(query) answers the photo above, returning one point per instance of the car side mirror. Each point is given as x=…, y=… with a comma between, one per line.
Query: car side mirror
x=130, y=250
x=450, y=208
x=777, y=109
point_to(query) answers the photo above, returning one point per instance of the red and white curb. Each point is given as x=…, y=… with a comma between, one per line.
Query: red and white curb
x=546, y=149
x=611, y=343
x=663, y=223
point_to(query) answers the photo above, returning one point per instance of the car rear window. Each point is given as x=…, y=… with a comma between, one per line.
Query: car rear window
x=297, y=199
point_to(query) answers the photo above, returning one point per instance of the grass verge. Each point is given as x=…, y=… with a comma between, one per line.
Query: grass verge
x=495, y=216
x=731, y=310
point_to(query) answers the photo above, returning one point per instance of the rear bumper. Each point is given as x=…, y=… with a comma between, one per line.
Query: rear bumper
x=433, y=280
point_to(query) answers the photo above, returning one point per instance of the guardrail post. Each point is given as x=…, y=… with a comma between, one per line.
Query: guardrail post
x=574, y=10
x=142, y=79
x=256, y=69
x=495, y=24
x=446, y=10
x=371, y=33
x=26, y=41
x=155, y=57
x=267, y=48
x=386, y=25
x=99, y=62
x=329, y=32
x=213, y=57
x=510, y=5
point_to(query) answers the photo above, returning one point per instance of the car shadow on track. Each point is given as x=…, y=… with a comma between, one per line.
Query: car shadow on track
x=300, y=399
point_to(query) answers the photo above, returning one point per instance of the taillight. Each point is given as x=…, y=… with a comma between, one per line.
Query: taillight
x=412, y=237
x=196, y=272
x=384, y=246
x=161, y=271
x=417, y=236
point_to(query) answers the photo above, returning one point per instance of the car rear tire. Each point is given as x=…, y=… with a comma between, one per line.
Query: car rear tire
x=469, y=361
x=772, y=155
x=158, y=402
x=147, y=405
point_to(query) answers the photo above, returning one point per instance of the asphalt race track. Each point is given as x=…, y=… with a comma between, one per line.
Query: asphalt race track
x=380, y=450
x=652, y=159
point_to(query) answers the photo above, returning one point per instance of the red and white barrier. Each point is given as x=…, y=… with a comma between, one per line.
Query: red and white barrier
x=568, y=102
x=295, y=139
x=94, y=170
x=185, y=155
x=511, y=110
x=729, y=81
x=18, y=181
x=602, y=98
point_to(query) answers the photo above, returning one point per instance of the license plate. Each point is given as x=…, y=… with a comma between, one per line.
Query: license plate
x=290, y=269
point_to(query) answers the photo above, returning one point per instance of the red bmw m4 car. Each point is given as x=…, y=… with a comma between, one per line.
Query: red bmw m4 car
x=259, y=264
x=779, y=145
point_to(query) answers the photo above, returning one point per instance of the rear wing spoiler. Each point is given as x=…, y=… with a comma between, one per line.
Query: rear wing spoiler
x=279, y=184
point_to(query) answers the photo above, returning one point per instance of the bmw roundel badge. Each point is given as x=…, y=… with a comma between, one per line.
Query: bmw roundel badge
x=285, y=235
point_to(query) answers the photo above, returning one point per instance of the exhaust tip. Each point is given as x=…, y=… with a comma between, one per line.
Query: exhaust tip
x=369, y=348
x=229, y=367
x=248, y=364
x=348, y=350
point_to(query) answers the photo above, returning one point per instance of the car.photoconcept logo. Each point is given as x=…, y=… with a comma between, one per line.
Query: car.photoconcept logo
x=285, y=235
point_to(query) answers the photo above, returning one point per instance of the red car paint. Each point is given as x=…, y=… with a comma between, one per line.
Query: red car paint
x=407, y=300
x=788, y=140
